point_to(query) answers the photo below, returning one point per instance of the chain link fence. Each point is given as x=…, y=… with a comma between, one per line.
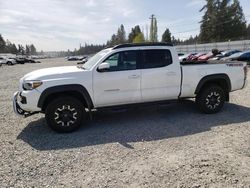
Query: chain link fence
x=243, y=45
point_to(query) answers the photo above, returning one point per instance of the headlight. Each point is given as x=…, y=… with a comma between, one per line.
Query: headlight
x=29, y=85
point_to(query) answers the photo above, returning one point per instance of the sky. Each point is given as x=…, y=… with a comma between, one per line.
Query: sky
x=55, y=25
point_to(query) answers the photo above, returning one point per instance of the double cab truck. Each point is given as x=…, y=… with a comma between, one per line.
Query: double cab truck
x=125, y=75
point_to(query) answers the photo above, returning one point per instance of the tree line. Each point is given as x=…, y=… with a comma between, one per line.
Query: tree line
x=223, y=20
x=136, y=35
x=8, y=47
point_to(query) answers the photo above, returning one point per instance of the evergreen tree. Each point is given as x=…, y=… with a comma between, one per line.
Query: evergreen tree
x=21, y=50
x=121, y=35
x=238, y=25
x=134, y=32
x=166, y=37
x=33, y=49
x=7, y=46
x=12, y=48
x=208, y=21
x=88, y=49
x=118, y=38
x=113, y=41
x=223, y=20
x=27, y=50
x=139, y=38
x=2, y=44
x=248, y=32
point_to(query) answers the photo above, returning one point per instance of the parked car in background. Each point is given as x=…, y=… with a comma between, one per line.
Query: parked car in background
x=209, y=55
x=206, y=57
x=21, y=60
x=232, y=56
x=225, y=54
x=196, y=56
x=31, y=60
x=7, y=61
x=73, y=58
x=76, y=58
x=241, y=56
x=83, y=61
x=186, y=56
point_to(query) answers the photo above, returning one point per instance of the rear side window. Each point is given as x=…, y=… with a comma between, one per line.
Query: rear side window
x=156, y=58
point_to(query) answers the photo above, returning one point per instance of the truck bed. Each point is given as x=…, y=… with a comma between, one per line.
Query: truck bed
x=193, y=72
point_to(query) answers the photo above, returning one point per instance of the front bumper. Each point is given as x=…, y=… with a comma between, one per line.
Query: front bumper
x=18, y=110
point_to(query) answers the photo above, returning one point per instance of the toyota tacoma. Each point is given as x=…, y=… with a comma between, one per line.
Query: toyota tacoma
x=125, y=75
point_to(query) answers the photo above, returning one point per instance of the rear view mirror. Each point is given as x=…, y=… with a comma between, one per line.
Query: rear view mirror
x=103, y=67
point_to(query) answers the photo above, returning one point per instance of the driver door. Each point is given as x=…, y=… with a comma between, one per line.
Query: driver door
x=121, y=83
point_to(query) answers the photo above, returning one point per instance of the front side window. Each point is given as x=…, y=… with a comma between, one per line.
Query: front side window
x=156, y=58
x=122, y=61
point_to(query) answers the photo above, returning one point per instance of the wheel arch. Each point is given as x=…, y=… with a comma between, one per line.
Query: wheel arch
x=219, y=79
x=73, y=90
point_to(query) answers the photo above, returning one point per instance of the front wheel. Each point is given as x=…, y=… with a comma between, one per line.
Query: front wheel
x=65, y=114
x=211, y=99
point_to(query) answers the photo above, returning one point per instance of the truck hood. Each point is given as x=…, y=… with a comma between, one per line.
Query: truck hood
x=49, y=73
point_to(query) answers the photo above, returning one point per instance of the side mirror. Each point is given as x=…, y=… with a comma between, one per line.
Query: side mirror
x=103, y=67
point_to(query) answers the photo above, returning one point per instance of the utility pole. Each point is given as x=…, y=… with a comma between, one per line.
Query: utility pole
x=153, y=29
x=151, y=35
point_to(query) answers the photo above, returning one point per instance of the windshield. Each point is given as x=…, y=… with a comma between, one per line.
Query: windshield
x=93, y=60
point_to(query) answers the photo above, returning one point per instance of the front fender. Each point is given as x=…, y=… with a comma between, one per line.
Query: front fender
x=63, y=89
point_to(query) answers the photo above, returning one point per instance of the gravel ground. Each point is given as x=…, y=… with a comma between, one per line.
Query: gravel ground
x=163, y=146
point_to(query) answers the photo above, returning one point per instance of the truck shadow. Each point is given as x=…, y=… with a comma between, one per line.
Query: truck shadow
x=134, y=125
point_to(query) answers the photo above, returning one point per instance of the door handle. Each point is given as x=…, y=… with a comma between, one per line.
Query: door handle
x=134, y=77
x=171, y=73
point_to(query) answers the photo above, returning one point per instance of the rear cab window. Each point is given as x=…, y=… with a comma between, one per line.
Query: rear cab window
x=156, y=58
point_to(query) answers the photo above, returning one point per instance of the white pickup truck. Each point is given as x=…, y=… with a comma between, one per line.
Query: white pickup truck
x=125, y=75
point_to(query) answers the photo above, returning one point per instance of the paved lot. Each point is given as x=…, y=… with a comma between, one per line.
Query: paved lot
x=164, y=146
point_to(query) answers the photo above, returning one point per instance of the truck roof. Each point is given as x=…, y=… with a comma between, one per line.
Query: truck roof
x=127, y=45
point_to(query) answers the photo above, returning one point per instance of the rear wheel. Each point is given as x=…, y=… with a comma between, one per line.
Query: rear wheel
x=211, y=99
x=9, y=63
x=65, y=114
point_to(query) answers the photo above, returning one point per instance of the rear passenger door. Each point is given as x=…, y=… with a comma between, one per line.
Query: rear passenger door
x=160, y=76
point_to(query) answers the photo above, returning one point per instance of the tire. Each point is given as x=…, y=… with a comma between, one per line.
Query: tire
x=211, y=99
x=9, y=63
x=65, y=114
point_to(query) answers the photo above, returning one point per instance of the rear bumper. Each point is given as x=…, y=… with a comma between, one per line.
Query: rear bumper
x=17, y=109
